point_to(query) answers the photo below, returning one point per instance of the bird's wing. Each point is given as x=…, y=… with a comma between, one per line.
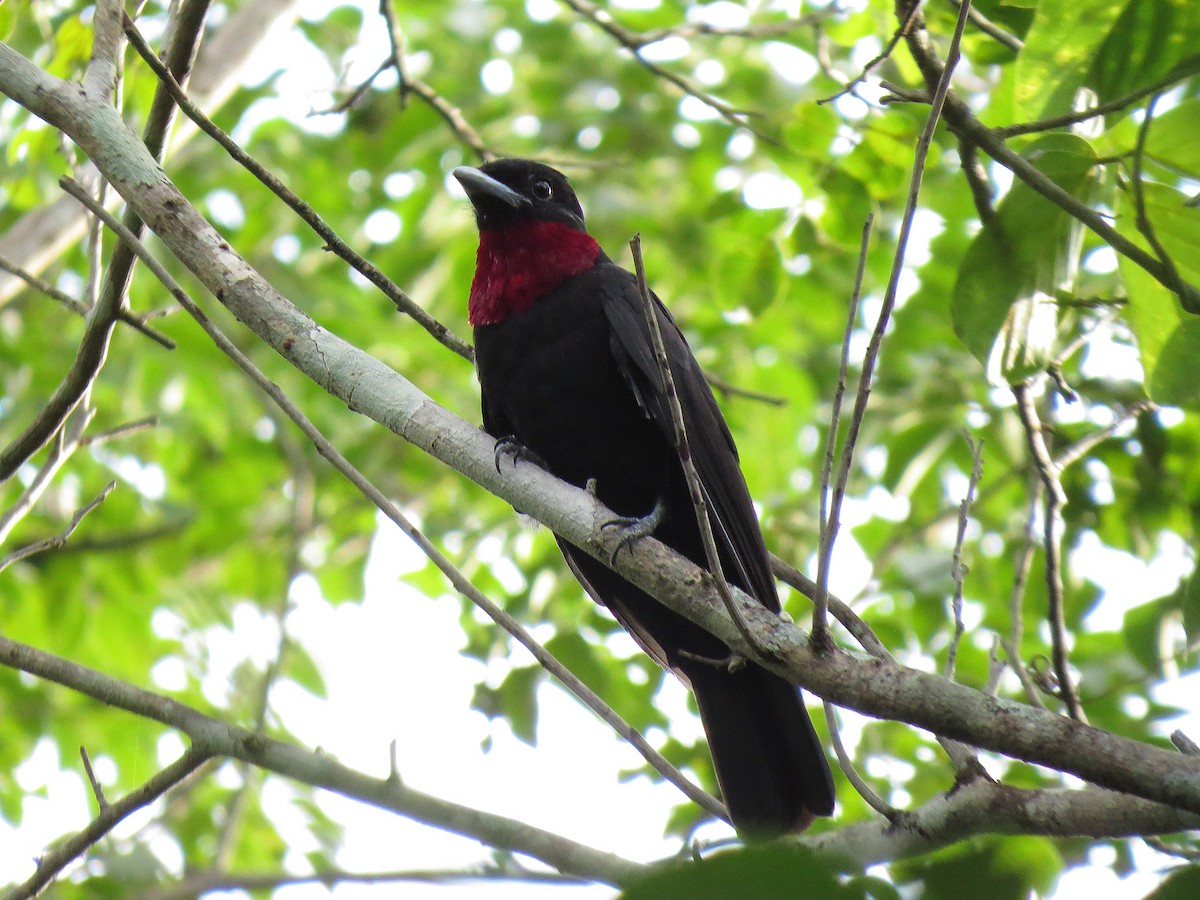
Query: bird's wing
x=731, y=512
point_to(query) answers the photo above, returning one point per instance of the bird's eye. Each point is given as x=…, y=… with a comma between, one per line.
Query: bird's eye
x=541, y=190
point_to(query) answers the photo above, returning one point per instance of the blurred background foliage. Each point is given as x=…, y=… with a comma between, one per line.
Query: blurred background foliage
x=752, y=236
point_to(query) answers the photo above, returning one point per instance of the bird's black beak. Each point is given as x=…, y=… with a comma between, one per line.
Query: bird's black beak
x=478, y=185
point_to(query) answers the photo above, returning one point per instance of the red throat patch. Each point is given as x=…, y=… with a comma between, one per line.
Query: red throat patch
x=517, y=265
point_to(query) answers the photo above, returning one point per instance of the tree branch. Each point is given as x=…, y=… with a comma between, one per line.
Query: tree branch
x=212, y=737
x=57, y=859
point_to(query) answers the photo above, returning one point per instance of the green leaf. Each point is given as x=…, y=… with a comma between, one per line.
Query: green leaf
x=514, y=700
x=1172, y=138
x=1189, y=597
x=1058, y=52
x=1149, y=39
x=1168, y=338
x=753, y=873
x=1030, y=247
x=1183, y=883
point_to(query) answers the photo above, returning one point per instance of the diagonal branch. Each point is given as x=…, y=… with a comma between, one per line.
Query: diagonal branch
x=57, y=859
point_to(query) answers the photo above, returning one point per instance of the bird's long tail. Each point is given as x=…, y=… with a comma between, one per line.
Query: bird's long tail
x=769, y=762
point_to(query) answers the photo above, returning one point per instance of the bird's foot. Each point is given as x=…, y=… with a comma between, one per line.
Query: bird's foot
x=730, y=663
x=509, y=446
x=632, y=528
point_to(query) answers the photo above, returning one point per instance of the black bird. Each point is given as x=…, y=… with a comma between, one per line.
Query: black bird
x=567, y=370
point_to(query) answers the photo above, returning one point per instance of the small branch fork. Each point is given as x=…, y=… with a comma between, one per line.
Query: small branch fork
x=110, y=814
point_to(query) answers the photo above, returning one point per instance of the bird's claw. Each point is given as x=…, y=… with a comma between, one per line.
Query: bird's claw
x=511, y=447
x=634, y=528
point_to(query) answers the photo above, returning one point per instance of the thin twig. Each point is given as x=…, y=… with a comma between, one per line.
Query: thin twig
x=62, y=854
x=1172, y=78
x=1085, y=444
x=977, y=180
x=992, y=30
x=1144, y=226
x=57, y=540
x=830, y=519
x=97, y=789
x=396, y=40
x=846, y=764
x=325, y=447
x=729, y=389
x=1055, y=499
x=632, y=42
x=80, y=308
x=406, y=85
x=682, y=448
x=1016, y=600
x=897, y=36
x=958, y=570
x=369, y=271
x=850, y=620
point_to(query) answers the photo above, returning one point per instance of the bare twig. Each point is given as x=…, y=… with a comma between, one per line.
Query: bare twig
x=396, y=39
x=1144, y=226
x=59, y=539
x=841, y=611
x=369, y=271
x=992, y=30
x=846, y=764
x=323, y=445
x=1055, y=499
x=79, y=308
x=831, y=508
x=958, y=570
x=682, y=448
x=896, y=37
x=1102, y=109
x=408, y=85
x=729, y=389
x=110, y=814
x=633, y=42
x=977, y=180
x=97, y=789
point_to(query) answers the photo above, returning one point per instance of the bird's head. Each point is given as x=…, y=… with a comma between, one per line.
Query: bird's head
x=532, y=236
x=508, y=192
